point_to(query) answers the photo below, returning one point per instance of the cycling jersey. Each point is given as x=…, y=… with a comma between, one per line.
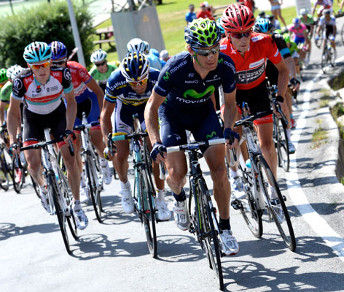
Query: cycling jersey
x=102, y=78
x=298, y=31
x=251, y=68
x=80, y=78
x=309, y=20
x=119, y=89
x=325, y=3
x=42, y=98
x=5, y=92
x=323, y=22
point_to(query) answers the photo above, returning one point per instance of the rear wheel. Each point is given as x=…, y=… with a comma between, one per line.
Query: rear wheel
x=4, y=173
x=281, y=144
x=17, y=173
x=278, y=212
x=333, y=57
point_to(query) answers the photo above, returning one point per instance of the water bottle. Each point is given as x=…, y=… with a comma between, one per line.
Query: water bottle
x=248, y=164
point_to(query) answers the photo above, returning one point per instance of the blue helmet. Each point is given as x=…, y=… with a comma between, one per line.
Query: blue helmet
x=59, y=50
x=219, y=25
x=37, y=52
x=262, y=25
x=135, y=66
x=296, y=21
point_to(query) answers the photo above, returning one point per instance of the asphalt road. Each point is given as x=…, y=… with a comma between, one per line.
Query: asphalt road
x=113, y=256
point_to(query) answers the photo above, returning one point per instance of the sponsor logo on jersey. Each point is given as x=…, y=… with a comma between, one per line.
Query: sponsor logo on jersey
x=212, y=135
x=257, y=63
x=248, y=76
x=223, y=47
x=257, y=38
x=67, y=75
x=174, y=69
x=191, y=81
x=18, y=84
x=166, y=76
x=191, y=75
x=276, y=54
x=193, y=94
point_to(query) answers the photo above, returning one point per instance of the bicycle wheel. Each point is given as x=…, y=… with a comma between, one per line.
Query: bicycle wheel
x=17, y=174
x=92, y=177
x=342, y=34
x=281, y=144
x=324, y=60
x=4, y=174
x=61, y=216
x=210, y=233
x=318, y=41
x=66, y=202
x=333, y=57
x=148, y=211
x=279, y=215
x=35, y=187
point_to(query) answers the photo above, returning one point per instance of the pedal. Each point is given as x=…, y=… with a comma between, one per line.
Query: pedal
x=236, y=204
x=284, y=198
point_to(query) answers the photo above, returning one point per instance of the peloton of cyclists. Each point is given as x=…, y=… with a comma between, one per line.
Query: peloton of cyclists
x=328, y=23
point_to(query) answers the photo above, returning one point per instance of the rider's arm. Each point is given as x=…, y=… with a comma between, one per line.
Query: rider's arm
x=2, y=111
x=231, y=110
x=71, y=109
x=291, y=66
x=13, y=117
x=283, y=77
x=151, y=116
x=92, y=84
x=105, y=118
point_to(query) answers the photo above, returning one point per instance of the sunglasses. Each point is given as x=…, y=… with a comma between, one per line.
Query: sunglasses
x=240, y=35
x=100, y=64
x=144, y=81
x=206, y=53
x=59, y=63
x=44, y=65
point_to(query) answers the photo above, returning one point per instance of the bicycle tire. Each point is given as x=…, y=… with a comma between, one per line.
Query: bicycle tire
x=67, y=196
x=333, y=57
x=91, y=174
x=282, y=146
x=4, y=172
x=17, y=174
x=61, y=216
x=35, y=187
x=284, y=227
x=318, y=41
x=342, y=34
x=148, y=211
x=210, y=234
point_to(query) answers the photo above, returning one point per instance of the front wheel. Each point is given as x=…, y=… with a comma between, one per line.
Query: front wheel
x=275, y=206
x=147, y=195
x=18, y=174
x=282, y=144
x=4, y=174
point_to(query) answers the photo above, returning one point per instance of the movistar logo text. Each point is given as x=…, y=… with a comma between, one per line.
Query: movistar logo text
x=191, y=93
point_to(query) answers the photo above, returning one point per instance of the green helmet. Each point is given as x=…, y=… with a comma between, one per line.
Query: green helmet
x=286, y=37
x=202, y=33
x=3, y=75
x=279, y=31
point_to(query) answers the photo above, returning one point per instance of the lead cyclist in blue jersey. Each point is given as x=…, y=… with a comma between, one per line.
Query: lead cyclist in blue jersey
x=184, y=100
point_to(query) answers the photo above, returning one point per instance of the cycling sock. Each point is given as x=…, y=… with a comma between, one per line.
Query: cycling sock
x=125, y=186
x=102, y=162
x=288, y=134
x=233, y=173
x=161, y=195
x=77, y=205
x=181, y=197
x=224, y=224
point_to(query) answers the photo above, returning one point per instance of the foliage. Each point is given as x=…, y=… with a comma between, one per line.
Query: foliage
x=44, y=22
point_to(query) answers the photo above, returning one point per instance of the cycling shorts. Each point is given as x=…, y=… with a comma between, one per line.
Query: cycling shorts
x=34, y=124
x=122, y=122
x=299, y=40
x=256, y=105
x=203, y=124
x=328, y=33
x=90, y=107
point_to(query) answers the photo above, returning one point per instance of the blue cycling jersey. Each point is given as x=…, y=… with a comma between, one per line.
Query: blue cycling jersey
x=184, y=87
x=118, y=88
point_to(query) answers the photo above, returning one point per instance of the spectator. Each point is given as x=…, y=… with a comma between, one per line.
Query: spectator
x=191, y=15
x=164, y=55
x=204, y=12
x=276, y=10
x=275, y=23
x=154, y=60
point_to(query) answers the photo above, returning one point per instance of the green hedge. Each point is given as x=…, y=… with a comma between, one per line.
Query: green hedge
x=46, y=22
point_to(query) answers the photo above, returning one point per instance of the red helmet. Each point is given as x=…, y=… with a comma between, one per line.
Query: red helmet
x=237, y=18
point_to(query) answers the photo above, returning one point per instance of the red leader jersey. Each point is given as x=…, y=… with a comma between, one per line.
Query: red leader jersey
x=250, y=68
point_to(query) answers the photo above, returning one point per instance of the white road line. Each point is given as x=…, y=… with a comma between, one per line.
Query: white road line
x=315, y=221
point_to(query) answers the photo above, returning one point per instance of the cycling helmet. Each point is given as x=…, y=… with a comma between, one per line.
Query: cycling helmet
x=219, y=25
x=58, y=49
x=98, y=56
x=137, y=45
x=16, y=70
x=10, y=71
x=147, y=47
x=135, y=66
x=3, y=75
x=237, y=18
x=286, y=37
x=262, y=25
x=327, y=11
x=154, y=52
x=37, y=52
x=202, y=33
x=303, y=11
x=296, y=21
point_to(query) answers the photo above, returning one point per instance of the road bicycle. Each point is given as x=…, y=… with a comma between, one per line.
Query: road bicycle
x=59, y=194
x=328, y=56
x=19, y=168
x=92, y=168
x=202, y=212
x=144, y=191
x=259, y=183
x=280, y=136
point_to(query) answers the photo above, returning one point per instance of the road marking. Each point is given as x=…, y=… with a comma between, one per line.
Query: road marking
x=315, y=221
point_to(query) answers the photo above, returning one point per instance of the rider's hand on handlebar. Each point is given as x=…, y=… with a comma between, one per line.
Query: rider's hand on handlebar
x=232, y=138
x=158, y=153
x=14, y=148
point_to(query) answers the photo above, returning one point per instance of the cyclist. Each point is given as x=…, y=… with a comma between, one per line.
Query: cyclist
x=127, y=92
x=101, y=70
x=308, y=21
x=249, y=51
x=41, y=89
x=184, y=100
x=265, y=26
x=299, y=32
x=324, y=4
x=136, y=44
x=89, y=97
x=328, y=22
x=4, y=98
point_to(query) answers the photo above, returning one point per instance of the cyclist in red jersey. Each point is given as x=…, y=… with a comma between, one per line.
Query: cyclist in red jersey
x=250, y=51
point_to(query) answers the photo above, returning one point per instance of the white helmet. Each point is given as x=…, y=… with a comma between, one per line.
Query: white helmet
x=303, y=11
x=138, y=45
x=13, y=71
x=98, y=56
